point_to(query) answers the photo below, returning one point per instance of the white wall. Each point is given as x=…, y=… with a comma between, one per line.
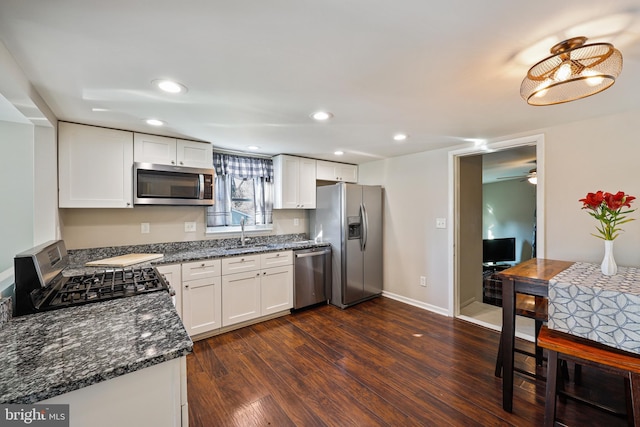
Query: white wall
x=598, y=154
x=508, y=209
x=415, y=194
x=27, y=169
x=579, y=157
x=16, y=175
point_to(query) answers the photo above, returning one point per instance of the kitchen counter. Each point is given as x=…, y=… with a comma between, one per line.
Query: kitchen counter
x=47, y=354
x=208, y=253
x=180, y=252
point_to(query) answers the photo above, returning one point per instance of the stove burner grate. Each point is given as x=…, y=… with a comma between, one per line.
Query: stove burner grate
x=107, y=284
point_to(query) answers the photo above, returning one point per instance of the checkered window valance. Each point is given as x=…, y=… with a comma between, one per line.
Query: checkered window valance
x=243, y=167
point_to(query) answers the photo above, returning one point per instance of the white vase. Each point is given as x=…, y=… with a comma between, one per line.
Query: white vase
x=608, y=266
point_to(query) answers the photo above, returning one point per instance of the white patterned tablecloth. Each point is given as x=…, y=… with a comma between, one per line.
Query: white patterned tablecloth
x=606, y=309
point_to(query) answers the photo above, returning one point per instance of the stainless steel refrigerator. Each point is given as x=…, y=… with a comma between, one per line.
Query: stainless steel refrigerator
x=349, y=216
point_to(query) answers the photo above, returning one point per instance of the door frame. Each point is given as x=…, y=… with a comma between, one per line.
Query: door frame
x=453, y=195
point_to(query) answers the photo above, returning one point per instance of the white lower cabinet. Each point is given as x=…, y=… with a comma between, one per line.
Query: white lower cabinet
x=258, y=292
x=201, y=296
x=213, y=294
x=276, y=290
x=241, y=294
x=154, y=396
x=173, y=275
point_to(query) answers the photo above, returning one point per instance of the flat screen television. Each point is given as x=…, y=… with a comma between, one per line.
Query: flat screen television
x=499, y=250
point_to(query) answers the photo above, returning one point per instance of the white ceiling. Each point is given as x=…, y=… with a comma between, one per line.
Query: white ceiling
x=440, y=71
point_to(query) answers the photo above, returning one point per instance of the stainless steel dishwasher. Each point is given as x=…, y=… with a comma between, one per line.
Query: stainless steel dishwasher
x=312, y=276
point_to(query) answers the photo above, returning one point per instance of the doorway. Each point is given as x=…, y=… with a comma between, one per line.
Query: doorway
x=467, y=299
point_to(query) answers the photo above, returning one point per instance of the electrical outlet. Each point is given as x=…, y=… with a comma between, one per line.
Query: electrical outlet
x=423, y=281
x=441, y=222
x=296, y=221
x=189, y=226
x=144, y=227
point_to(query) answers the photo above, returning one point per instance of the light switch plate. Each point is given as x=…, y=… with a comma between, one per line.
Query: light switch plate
x=144, y=227
x=189, y=226
x=441, y=222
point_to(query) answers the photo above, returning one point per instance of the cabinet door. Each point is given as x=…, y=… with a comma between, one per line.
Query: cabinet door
x=325, y=171
x=154, y=149
x=337, y=172
x=276, y=290
x=194, y=154
x=172, y=274
x=201, y=305
x=95, y=167
x=241, y=294
x=347, y=173
x=286, y=185
x=307, y=184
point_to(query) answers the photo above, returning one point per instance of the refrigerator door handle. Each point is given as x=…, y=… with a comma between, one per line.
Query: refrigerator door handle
x=365, y=227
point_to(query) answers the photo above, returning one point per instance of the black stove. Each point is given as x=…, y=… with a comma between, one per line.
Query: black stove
x=41, y=286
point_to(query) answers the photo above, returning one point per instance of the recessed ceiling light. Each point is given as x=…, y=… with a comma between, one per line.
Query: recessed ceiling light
x=253, y=147
x=321, y=116
x=154, y=122
x=400, y=136
x=338, y=153
x=170, y=86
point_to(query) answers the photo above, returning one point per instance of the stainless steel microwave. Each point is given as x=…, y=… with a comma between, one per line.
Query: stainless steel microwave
x=172, y=185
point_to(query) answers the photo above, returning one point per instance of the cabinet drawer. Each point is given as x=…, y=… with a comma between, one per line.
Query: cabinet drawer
x=239, y=264
x=201, y=269
x=275, y=259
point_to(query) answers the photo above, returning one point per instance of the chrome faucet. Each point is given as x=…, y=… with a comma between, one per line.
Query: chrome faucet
x=242, y=239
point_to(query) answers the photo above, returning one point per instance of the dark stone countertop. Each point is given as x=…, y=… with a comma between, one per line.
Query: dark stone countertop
x=180, y=254
x=47, y=354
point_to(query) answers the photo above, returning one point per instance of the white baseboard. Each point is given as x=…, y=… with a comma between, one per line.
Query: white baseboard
x=416, y=303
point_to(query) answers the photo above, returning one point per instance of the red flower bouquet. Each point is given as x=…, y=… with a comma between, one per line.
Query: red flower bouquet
x=608, y=209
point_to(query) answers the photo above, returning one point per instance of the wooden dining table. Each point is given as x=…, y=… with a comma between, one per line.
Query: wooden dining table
x=529, y=277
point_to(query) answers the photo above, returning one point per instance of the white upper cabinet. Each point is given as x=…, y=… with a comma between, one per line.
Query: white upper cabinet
x=194, y=154
x=95, y=167
x=170, y=151
x=295, y=182
x=154, y=149
x=338, y=172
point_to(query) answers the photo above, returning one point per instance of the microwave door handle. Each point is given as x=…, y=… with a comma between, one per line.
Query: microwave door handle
x=201, y=186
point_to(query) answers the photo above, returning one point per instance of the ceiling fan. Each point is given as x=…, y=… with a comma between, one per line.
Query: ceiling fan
x=532, y=176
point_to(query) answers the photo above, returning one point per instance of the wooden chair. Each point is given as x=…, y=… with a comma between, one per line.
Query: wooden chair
x=532, y=307
x=590, y=353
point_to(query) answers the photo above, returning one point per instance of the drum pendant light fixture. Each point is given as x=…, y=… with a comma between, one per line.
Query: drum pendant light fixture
x=573, y=71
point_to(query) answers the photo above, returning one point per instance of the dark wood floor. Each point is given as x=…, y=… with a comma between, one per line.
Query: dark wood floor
x=381, y=362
